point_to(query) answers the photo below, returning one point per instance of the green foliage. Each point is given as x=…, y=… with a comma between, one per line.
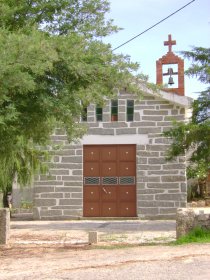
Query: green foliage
x=52, y=58
x=200, y=67
x=194, y=136
x=197, y=235
x=22, y=160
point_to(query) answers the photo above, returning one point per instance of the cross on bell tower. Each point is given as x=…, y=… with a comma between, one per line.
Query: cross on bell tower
x=169, y=43
x=171, y=60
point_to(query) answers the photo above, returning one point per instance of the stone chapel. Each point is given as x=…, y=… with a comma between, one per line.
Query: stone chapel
x=118, y=169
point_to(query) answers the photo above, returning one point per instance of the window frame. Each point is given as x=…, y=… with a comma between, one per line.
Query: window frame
x=114, y=110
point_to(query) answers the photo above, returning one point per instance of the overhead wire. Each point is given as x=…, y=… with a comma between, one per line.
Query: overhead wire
x=153, y=25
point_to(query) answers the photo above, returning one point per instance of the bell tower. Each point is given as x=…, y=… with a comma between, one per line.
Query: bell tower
x=170, y=66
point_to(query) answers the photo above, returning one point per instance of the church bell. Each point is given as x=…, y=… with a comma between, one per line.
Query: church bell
x=170, y=81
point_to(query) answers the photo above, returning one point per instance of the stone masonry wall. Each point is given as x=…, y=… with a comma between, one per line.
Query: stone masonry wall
x=161, y=185
x=4, y=225
x=190, y=218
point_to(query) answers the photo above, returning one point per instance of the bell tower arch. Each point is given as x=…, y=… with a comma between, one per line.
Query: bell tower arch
x=172, y=66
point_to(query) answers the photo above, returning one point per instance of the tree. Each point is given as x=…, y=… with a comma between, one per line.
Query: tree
x=52, y=58
x=194, y=136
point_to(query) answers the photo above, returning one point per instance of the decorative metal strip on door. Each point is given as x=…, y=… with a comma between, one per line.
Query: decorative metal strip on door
x=109, y=180
x=127, y=180
x=92, y=180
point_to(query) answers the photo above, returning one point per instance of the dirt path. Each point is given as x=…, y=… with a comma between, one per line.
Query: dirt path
x=39, y=262
x=60, y=251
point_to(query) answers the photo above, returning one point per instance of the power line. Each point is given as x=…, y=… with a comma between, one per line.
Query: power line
x=153, y=26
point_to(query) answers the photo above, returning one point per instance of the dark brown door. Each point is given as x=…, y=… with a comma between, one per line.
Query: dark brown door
x=109, y=181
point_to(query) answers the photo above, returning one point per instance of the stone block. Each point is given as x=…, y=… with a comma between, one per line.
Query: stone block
x=121, y=117
x=162, y=141
x=157, y=147
x=148, y=167
x=47, y=183
x=73, y=183
x=163, y=172
x=143, y=124
x=120, y=131
x=74, y=202
x=51, y=195
x=148, y=211
x=149, y=179
x=68, y=189
x=173, y=118
x=156, y=160
x=44, y=202
x=59, y=171
x=68, y=166
x=169, y=166
x=72, y=178
x=115, y=125
x=174, y=178
x=142, y=160
x=77, y=172
x=184, y=221
x=146, y=130
x=93, y=237
x=72, y=159
x=76, y=195
x=157, y=102
x=4, y=225
x=155, y=112
x=50, y=213
x=148, y=154
x=168, y=210
x=144, y=203
x=43, y=189
x=152, y=118
x=149, y=191
x=164, y=186
x=169, y=197
x=100, y=131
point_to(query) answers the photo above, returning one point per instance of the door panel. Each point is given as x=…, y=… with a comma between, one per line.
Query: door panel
x=127, y=193
x=127, y=209
x=91, y=209
x=91, y=169
x=108, y=193
x=109, y=209
x=109, y=153
x=91, y=193
x=127, y=169
x=127, y=153
x=109, y=169
x=91, y=153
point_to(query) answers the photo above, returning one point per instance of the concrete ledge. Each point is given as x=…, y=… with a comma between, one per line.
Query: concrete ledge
x=190, y=218
x=4, y=225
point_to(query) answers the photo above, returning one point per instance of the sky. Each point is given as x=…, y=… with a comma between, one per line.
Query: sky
x=189, y=27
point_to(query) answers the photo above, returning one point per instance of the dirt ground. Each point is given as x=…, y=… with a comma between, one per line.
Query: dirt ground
x=49, y=251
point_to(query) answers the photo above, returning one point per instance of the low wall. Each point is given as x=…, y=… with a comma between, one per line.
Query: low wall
x=4, y=225
x=189, y=218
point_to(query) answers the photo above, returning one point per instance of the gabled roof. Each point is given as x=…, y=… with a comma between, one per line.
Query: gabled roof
x=183, y=101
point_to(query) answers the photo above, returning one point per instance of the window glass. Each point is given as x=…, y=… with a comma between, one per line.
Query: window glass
x=99, y=113
x=84, y=114
x=114, y=110
x=130, y=110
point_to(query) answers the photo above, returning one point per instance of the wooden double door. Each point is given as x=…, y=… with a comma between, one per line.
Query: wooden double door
x=109, y=181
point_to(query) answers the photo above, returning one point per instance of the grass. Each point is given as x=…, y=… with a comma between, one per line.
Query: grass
x=197, y=235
